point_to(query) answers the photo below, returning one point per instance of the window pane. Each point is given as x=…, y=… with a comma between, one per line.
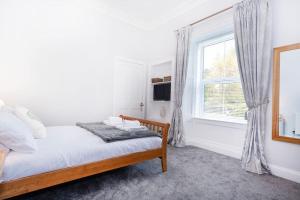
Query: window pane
x=234, y=102
x=219, y=61
x=213, y=57
x=213, y=98
x=225, y=99
x=230, y=61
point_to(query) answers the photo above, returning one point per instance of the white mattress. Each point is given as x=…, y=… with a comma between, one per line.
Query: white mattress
x=67, y=146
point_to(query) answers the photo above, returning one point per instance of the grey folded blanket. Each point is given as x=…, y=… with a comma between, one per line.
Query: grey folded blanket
x=112, y=134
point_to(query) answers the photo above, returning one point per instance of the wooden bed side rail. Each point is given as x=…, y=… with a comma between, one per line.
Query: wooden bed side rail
x=36, y=182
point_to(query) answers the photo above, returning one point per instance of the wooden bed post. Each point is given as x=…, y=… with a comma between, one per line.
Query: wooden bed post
x=163, y=158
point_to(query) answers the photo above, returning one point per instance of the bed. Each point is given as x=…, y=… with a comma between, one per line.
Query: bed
x=77, y=154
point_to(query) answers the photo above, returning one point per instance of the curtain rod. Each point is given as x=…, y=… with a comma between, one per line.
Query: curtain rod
x=210, y=16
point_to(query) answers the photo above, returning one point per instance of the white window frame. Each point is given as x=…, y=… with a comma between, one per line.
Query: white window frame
x=198, y=105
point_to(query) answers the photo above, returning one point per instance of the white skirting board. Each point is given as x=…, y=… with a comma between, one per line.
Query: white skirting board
x=221, y=148
x=236, y=152
x=285, y=173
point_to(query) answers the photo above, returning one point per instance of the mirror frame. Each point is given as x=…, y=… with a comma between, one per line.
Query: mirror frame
x=276, y=93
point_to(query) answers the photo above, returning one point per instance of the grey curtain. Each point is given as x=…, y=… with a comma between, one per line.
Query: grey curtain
x=252, y=24
x=182, y=54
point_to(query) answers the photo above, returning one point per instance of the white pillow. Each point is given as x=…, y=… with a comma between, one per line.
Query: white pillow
x=39, y=130
x=1, y=103
x=15, y=134
x=7, y=108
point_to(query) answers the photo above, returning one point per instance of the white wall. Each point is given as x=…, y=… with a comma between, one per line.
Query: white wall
x=281, y=154
x=57, y=56
x=228, y=138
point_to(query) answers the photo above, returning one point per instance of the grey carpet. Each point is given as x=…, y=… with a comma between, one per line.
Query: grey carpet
x=193, y=173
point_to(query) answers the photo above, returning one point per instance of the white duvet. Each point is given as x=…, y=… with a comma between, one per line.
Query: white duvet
x=67, y=146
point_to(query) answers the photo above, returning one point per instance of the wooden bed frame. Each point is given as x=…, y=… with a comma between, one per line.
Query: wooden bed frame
x=48, y=179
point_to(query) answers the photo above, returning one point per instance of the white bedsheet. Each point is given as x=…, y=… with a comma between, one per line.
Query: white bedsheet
x=67, y=146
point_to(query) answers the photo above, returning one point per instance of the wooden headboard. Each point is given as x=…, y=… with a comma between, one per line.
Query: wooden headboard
x=159, y=127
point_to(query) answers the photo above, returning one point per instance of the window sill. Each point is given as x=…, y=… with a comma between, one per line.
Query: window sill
x=230, y=123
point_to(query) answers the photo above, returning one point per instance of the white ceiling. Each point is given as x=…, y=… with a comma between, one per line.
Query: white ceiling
x=148, y=14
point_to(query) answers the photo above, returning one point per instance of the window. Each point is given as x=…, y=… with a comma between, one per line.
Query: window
x=219, y=94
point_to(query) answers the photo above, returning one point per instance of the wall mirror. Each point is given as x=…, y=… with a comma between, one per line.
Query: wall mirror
x=286, y=94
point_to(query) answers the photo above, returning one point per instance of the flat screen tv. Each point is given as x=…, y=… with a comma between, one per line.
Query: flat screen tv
x=162, y=92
